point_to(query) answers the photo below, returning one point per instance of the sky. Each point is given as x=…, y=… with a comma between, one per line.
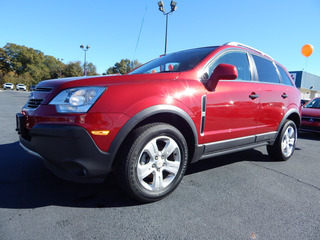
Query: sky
x=135, y=29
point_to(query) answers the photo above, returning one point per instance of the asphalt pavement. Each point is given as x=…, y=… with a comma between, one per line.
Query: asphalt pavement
x=244, y=195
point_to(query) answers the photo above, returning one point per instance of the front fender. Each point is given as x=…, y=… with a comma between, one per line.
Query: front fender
x=144, y=114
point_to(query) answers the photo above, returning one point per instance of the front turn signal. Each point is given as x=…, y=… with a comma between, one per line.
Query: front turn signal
x=100, y=132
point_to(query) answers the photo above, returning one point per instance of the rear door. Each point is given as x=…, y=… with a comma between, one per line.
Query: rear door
x=273, y=95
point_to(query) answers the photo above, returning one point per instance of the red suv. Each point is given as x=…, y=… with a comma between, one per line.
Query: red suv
x=149, y=124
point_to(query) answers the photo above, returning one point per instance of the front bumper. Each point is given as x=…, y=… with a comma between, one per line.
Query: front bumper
x=68, y=151
x=310, y=126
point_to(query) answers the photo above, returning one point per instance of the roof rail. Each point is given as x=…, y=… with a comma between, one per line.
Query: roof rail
x=246, y=46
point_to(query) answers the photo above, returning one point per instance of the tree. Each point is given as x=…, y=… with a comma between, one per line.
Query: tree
x=123, y=67
x=10, y=77
x=73, y=69
x=4, y=62
x=54, y=66
x=21, y=60
x=91, y=70
x=14, y=78
x=2, y=74
x=20, y=64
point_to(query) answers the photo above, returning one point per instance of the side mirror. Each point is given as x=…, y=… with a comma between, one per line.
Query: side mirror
x=222, y=72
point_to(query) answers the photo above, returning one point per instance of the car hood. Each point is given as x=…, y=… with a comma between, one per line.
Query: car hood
x=312, y=112
x=49, y=88
x=107, y=80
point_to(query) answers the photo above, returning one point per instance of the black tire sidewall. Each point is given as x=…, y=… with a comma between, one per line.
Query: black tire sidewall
x=275, y=151
x=286, y=126
x=146, y=135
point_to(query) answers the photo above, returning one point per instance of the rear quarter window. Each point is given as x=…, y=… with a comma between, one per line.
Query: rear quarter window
x=284, y=77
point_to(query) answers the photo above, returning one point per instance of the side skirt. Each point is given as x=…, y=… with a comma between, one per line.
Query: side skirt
x=234, y=145
x=233, y=150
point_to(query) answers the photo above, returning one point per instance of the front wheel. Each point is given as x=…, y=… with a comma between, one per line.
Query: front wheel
x=284, y=146
x=154, y=162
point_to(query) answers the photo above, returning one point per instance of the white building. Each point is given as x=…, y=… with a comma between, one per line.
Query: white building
x=307, y=83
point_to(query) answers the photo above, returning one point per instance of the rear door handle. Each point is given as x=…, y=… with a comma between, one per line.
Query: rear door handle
x=253, y=95
x=284, y=95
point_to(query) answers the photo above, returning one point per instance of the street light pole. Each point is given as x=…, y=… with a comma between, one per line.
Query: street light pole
x=85, y=49
x=173, y=5
x=166, y=40
x=60, y=59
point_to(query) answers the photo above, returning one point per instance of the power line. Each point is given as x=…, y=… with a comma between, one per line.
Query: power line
x=134, y=55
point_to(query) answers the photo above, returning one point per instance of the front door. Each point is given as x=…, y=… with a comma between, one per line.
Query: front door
x=232, y=108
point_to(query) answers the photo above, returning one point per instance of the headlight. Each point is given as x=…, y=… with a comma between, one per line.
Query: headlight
x=77, y=100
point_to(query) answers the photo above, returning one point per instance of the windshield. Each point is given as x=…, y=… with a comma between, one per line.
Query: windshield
x=315, y=103
x=175, y=62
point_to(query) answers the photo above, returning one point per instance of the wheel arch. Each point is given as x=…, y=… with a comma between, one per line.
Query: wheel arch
x=172, y=115
x=293, y=115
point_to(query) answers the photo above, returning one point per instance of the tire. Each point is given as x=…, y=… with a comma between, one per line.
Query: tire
x=153, y=162
x=284, y=146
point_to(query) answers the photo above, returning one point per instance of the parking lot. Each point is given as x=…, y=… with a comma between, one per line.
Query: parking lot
x=244, y=195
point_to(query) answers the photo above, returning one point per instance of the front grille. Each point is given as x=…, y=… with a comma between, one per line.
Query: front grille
x=313, y=119
x=42, y=89
x=310, y=128
x=34, y=103
x=37, y=96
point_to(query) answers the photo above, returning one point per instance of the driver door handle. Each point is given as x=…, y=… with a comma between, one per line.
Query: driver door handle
x=253, y=95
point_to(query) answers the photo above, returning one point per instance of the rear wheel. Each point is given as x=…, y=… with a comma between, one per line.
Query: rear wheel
x=154, y=162
x=284, y=146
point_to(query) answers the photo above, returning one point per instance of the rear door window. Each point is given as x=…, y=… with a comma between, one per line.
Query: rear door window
x=266, y=69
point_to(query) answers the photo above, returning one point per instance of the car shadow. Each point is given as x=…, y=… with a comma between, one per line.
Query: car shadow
x=26, y=183
x=251, y=155
x=309, y=135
